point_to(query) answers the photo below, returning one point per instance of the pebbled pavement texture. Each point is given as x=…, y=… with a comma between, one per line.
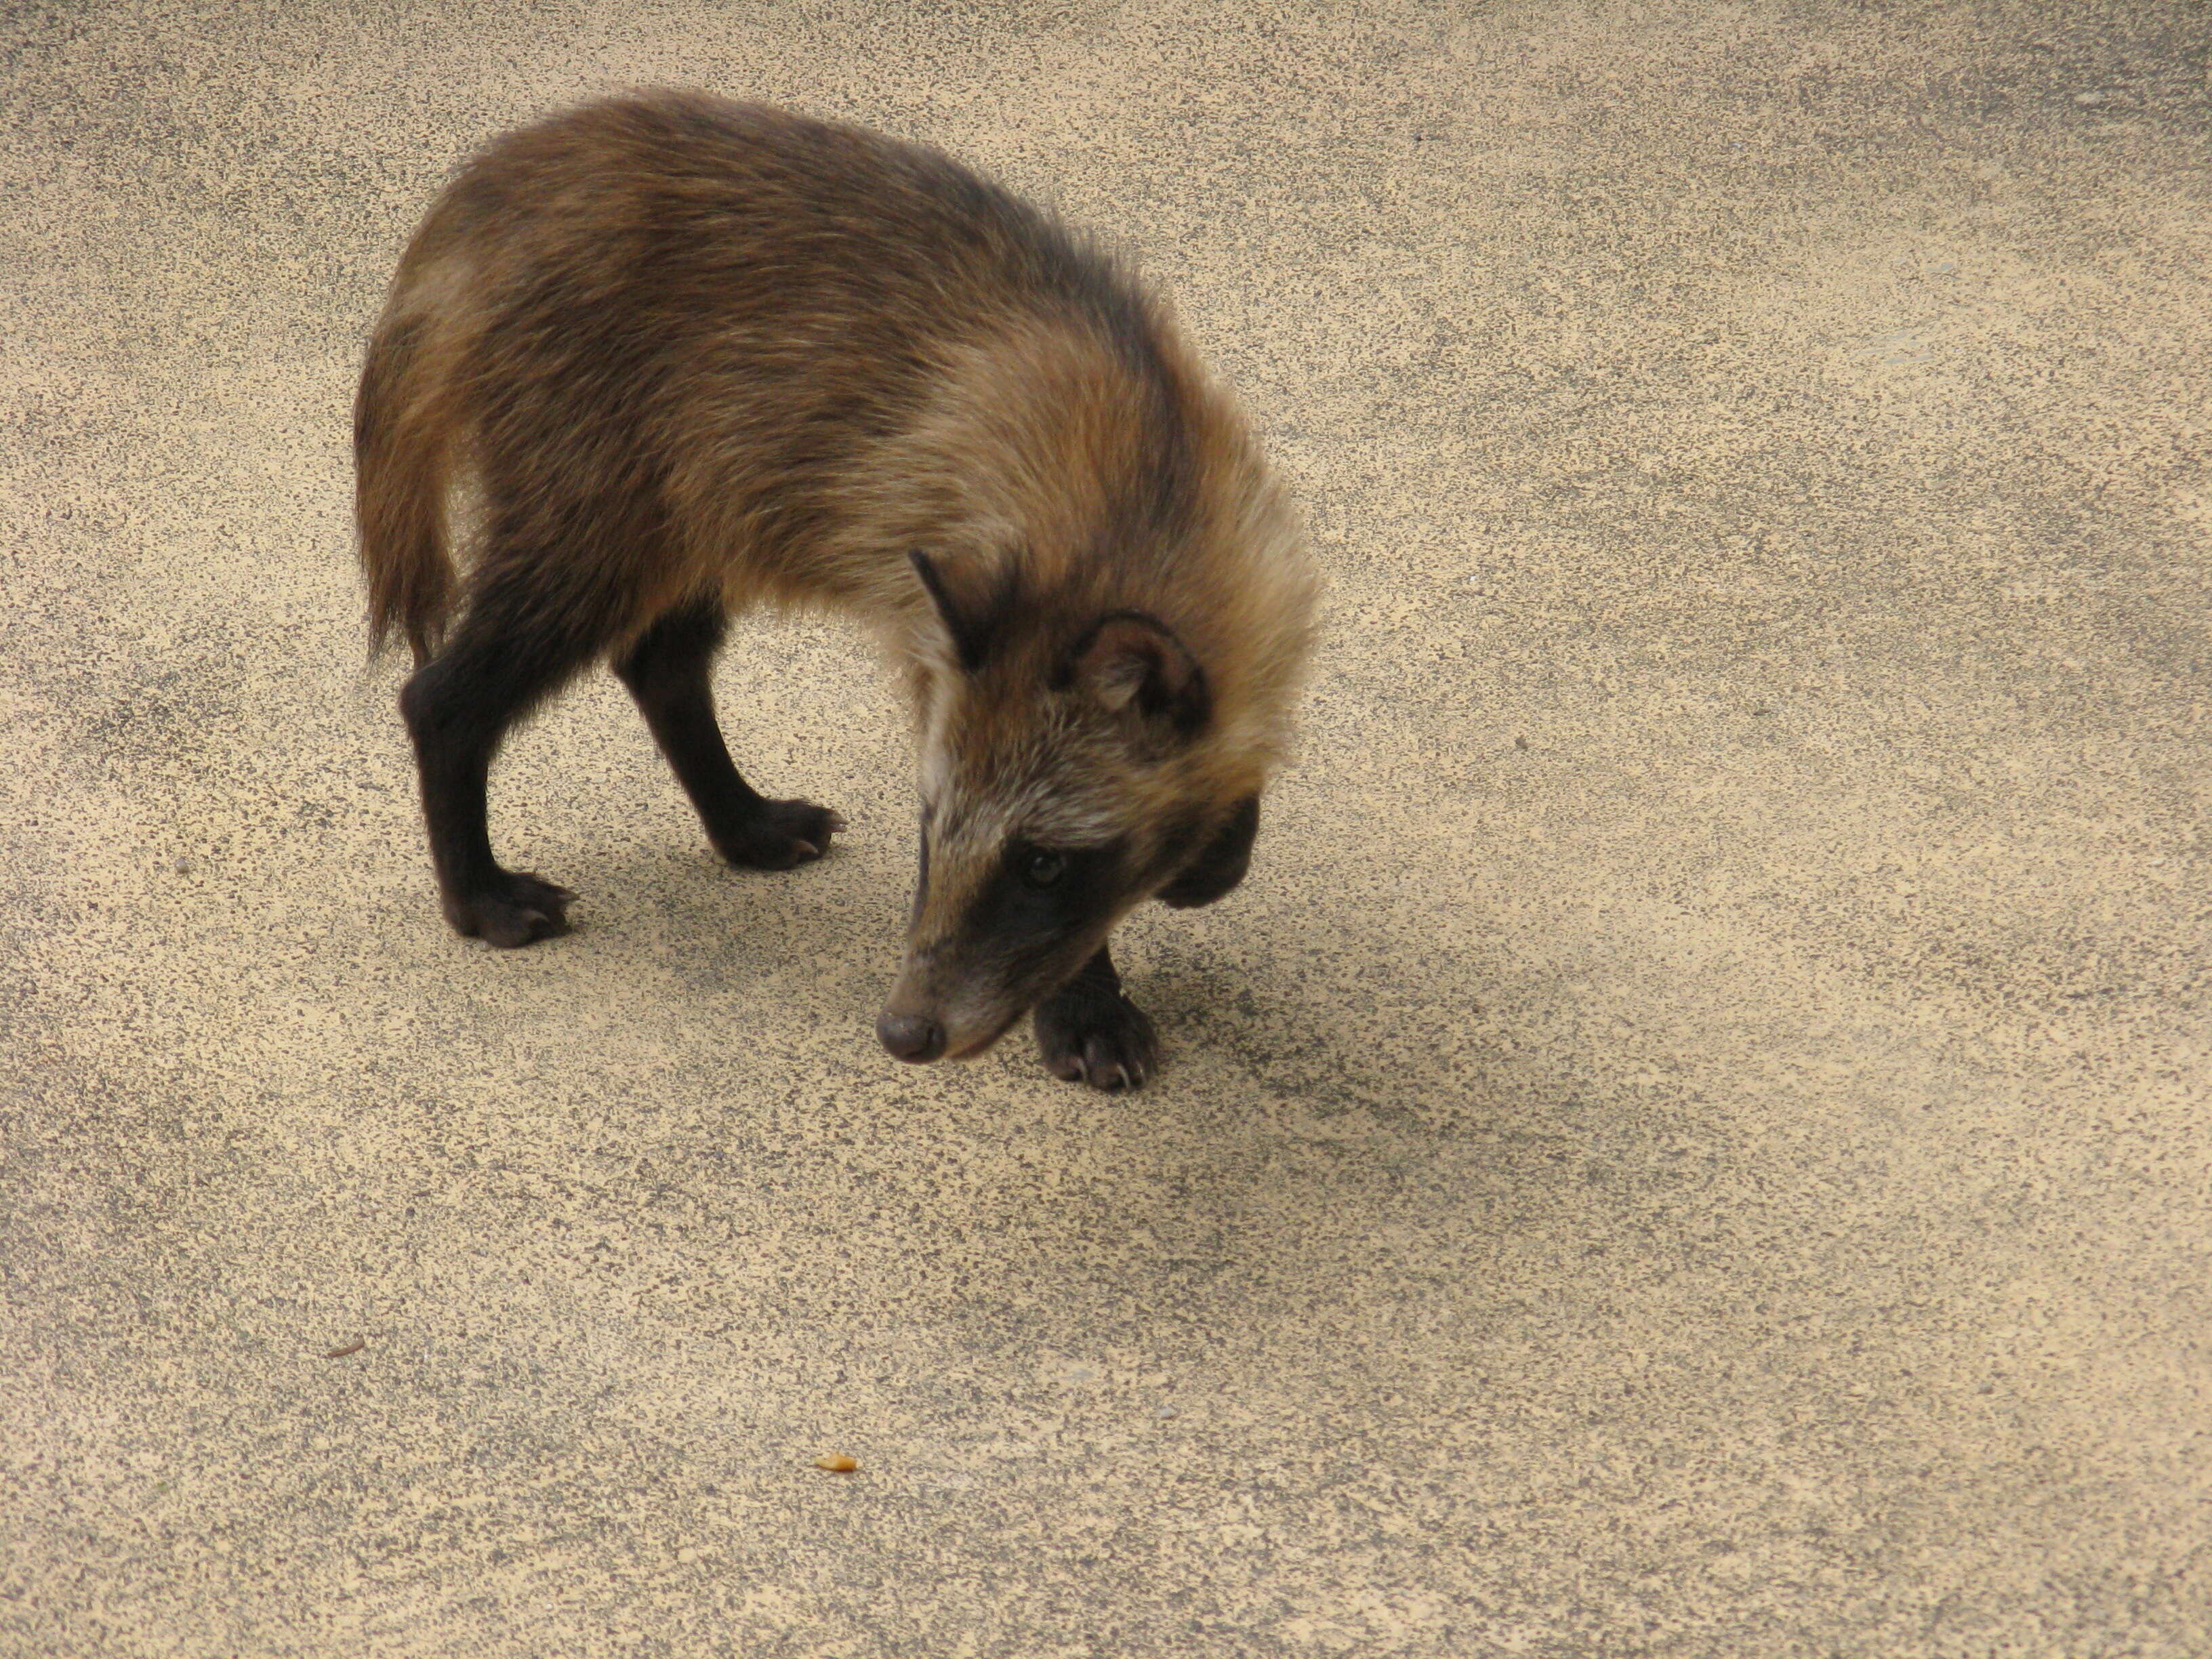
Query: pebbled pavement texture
x=1693, y=1141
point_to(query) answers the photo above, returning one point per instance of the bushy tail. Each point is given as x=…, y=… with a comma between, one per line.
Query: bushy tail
x=402, y=438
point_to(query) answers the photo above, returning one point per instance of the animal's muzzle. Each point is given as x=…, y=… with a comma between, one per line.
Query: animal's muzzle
x=914, y=1037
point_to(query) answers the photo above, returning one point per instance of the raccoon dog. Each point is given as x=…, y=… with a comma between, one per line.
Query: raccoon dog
x=685, y=357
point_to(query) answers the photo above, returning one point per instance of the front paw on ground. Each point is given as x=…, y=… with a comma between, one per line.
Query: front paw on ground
x=516, y=910
x=1105, y=1042
x=779, y=835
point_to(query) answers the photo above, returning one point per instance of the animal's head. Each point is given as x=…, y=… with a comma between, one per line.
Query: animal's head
x=1076, y=760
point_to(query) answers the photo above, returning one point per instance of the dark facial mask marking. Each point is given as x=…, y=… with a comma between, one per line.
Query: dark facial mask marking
x=1039, y=905
x=1221, y=865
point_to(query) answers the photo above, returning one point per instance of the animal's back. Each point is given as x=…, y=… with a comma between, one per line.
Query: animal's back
x=714, y=313
x=704, y=221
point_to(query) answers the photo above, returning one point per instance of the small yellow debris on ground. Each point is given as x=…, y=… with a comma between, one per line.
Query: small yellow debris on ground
x=836, y=1463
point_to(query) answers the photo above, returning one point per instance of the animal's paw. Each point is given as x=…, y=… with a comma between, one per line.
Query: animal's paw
x=778, y=835
x=1099, y=1037
x=515, y=909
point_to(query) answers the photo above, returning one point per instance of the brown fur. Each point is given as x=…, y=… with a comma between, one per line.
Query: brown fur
x=684, y=357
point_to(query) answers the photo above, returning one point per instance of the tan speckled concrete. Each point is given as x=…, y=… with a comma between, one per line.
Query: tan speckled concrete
x=1696, y=1140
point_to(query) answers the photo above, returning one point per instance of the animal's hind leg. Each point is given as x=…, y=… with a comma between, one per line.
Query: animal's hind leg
x=505, y=658
x=670, y=672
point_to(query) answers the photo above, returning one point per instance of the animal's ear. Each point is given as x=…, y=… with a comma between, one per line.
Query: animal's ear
x=1131, y=663
x=971, y=623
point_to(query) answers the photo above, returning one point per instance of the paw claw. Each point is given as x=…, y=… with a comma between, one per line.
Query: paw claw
x=1106, y=1042
x=515, y=910
x=780, y=834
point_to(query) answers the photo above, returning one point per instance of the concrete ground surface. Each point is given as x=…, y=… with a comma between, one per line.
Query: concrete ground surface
x=1692, y=1141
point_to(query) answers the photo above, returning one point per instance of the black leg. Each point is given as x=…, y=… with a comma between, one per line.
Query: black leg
x=670, y=672
x=1089, y=1032
x=457, y=709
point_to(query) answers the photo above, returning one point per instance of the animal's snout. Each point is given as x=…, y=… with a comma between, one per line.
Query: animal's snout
x=914, y=1037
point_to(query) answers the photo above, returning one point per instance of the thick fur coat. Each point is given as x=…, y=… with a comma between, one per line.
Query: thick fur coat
x=666, y=358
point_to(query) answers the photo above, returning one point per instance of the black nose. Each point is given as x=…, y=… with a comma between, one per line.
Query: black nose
x=910, y=1037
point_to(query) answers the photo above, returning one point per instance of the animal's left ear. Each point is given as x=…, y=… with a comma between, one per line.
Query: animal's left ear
x=1131, y=663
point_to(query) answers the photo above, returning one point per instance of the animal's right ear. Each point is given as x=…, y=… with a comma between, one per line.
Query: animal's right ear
x=970, y=626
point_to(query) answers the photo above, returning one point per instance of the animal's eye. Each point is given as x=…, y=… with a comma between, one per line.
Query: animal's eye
x=1041, y=867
